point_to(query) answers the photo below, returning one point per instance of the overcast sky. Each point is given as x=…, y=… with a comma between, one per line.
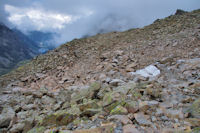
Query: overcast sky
x=76, y=18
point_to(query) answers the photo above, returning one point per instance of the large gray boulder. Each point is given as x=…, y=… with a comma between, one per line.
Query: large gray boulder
x=6, y=116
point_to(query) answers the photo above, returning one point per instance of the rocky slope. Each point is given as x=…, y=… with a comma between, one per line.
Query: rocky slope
x=14, y=47
x=142, y=80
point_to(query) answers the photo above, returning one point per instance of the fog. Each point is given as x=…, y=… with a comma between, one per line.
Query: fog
x=75, y=19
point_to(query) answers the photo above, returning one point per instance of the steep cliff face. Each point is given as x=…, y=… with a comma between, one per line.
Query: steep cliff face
x=14, y=47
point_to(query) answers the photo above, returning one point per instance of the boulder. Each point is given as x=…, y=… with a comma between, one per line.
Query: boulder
x=149, y=71
x=174, y=114
x=88, y=92
x=147, y=105
x=37, y=130
x=125, y=88
x=194, y=109
x=46, y=100
x=119, y=110
x=17, y=128
x=116, y=82
x=59, y=118
x=193, y=121
x=196, y=130
x=29, y=107
x=142, y=119
x=132, y=106
x=74, y=110
x=130, y=129
x=90, y=112
x=91, y=104
x=102, y=129
x=112, y=99
x=6, y=116
x=122, y=118
x=154, y=90
x=131, y=67
x=48, y=82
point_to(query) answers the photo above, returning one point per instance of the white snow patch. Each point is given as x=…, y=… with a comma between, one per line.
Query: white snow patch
x=149, y=71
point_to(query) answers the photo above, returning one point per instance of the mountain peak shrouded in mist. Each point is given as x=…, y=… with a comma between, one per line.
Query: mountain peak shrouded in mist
x=74, y=19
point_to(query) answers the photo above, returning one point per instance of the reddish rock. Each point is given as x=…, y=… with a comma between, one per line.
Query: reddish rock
x=48, y=82
x=130, y=129
x=122, y=118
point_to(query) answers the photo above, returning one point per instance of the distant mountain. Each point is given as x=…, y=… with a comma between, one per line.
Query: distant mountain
x=43, y=39
x=14, y=47
x=28, y=41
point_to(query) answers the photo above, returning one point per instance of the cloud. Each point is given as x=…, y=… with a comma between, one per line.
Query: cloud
x=28, y=19
x=77, y=18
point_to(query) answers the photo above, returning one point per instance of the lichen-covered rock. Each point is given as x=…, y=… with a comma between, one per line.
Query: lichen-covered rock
x=74, y=110
x=136, y=93
x=124, y=89
x=37, y=130
x=111, y=106
x=193, y=121
x=196, y=130
x=112, y=97
x=59, y=118
x=108, y=99
x=119, y=110
x=6, y=116
x=88, y=92
x=90, y=112
x=91, y=104
x=102, y=92
x=194, y=109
